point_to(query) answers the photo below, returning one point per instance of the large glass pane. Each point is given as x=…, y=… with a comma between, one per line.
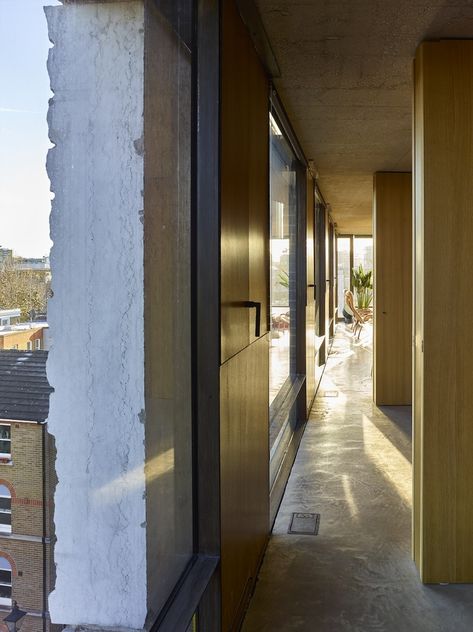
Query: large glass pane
x=363, y=252
x=343, y=272
x=168, y=317
x=282, y=291
x=363, y=263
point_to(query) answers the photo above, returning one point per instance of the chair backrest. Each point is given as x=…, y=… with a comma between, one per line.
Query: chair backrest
x=351, y=304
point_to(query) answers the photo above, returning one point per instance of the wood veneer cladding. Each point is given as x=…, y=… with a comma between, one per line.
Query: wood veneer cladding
x=393, y=289
x=444, y=206
x=244, y=185
x=418, y=311
x=244, y=415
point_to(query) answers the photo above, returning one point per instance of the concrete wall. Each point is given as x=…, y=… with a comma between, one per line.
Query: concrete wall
x=96, y=411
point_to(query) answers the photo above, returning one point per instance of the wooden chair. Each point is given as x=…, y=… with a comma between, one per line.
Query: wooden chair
x=360, y=316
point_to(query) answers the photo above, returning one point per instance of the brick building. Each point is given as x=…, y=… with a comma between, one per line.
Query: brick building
x=25, y=501
x=28, y=337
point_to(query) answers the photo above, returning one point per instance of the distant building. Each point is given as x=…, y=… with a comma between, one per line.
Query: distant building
x=39, y=264
x=9, y=316
x=26, y=474
x=6, y=256
x=24, y=336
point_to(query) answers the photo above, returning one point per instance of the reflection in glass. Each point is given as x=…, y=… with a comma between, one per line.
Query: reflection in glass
x=363, y=252
x=283, y=221
x=168, y=317
x=343, y=272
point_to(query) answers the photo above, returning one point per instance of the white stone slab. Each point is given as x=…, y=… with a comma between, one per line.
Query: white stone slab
x=96, y=361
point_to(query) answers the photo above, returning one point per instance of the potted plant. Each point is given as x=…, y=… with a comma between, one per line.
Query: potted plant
x=363, y=284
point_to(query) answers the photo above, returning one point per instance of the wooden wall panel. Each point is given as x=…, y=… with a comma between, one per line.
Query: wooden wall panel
x=244, y=185
x=244, y=375
x=258, y=197
x=418, y=315
x=444, y=193
x=244, y=474
x=392, y=381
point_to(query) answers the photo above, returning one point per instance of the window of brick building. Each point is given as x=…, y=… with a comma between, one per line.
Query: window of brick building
x=5, y=582
x=5, y=443
x=5, y=509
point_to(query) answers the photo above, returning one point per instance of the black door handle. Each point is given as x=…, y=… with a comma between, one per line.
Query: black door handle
x=257, y=306
x=315, y=289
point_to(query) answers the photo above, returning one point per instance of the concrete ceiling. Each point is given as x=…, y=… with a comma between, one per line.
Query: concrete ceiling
x=346, y=77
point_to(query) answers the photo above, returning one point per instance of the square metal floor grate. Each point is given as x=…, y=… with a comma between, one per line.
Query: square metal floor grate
x=303, y=523
x=329, y=394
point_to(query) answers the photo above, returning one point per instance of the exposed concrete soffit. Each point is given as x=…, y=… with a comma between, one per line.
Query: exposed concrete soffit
x=251, y=17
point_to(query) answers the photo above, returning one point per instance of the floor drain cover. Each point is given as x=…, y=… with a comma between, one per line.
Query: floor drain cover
x=329, y=393
x=304, y=523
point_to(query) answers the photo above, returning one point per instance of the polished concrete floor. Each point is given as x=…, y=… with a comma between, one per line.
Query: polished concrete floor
x=354, y=468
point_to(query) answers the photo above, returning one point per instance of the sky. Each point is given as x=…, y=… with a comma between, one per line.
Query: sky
x=25, y=199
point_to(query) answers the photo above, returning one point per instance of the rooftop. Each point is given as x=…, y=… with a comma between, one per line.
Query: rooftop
x=24, y=387
x=6, y=330
x=12, y=313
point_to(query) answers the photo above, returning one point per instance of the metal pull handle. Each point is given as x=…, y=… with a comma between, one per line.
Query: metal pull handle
x=257, y=306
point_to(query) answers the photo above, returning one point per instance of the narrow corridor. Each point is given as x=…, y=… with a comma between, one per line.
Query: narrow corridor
x=354, y=468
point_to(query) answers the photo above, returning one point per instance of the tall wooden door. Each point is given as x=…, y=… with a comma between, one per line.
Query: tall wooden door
x=244, y=373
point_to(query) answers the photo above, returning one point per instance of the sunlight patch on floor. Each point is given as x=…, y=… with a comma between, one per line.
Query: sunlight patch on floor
x=389, y=461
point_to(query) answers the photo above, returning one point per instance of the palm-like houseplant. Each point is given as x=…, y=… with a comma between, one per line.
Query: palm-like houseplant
x=363, y=284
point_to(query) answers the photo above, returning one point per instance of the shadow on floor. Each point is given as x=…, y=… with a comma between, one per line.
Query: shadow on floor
x=354, y=468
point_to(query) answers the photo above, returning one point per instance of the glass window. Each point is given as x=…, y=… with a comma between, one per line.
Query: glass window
x=169, y=455
x=5, y=582
x=363, y=264
x=282, y=229
x=5, y=442
x=37, y=344
x=363, y=252
x=5, y=509
x=344, y=271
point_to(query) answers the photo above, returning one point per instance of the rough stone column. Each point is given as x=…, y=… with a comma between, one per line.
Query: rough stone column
x=96, y=361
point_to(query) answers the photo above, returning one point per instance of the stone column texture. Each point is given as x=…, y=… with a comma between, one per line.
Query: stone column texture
x=96, y=358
